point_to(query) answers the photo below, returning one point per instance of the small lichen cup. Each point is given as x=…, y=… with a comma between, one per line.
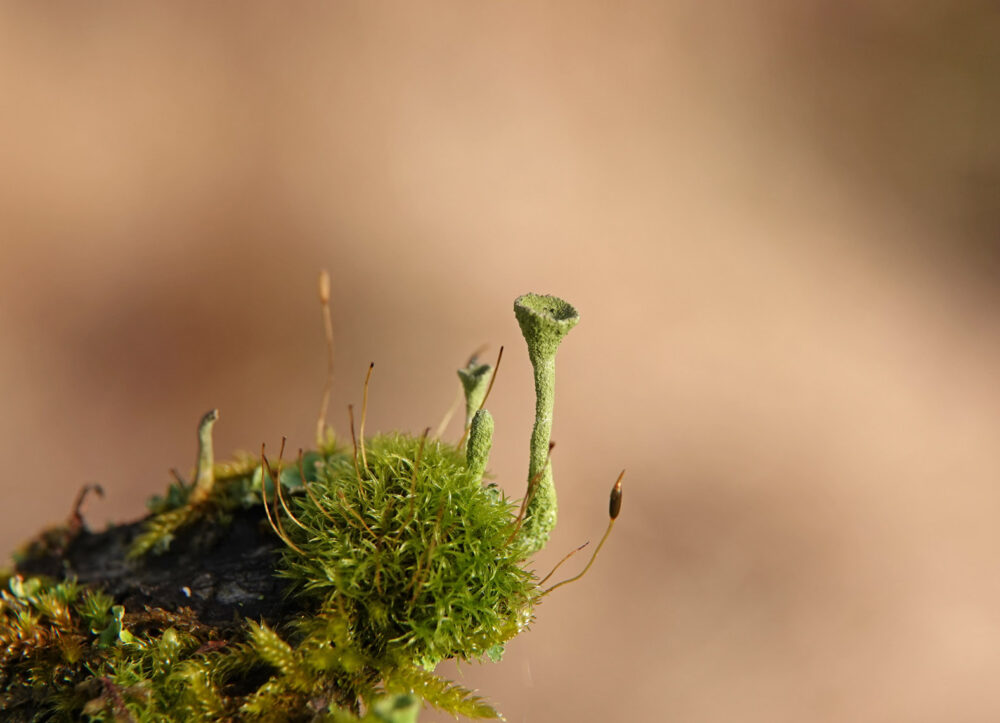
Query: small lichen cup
x=544, y=321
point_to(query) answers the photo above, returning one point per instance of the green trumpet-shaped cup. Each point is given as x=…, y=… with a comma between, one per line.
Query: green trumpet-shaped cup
x=544, y=321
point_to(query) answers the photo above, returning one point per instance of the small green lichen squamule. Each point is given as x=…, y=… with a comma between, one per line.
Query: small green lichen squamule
x=322, y=588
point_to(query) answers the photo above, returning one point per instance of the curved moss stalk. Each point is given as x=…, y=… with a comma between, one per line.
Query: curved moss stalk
x=544, y=321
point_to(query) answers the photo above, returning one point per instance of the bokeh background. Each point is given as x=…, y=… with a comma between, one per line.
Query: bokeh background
x=780, y=221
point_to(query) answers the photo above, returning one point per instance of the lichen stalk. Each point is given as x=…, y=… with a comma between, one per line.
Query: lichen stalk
x=205, y=476
x=480, y=440
x=544, y=322
x=475, y=378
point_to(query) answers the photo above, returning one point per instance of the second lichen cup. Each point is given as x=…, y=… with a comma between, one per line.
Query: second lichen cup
x=544, y=321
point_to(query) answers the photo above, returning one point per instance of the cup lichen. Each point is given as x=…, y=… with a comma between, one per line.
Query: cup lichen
x=544, y=321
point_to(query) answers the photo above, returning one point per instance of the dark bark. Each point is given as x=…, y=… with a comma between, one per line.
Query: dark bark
x=223, y=572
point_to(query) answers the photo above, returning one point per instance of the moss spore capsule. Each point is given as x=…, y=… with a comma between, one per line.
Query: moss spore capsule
x=615, y=503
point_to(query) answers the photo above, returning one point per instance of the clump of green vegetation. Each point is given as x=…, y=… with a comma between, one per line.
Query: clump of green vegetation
x=416, y=550
x=396, y=553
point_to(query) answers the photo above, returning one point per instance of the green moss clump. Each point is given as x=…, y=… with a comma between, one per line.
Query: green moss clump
x=415, y=550
x=69, y=654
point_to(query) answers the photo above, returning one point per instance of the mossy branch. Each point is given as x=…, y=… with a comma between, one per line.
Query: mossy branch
x=327, y=589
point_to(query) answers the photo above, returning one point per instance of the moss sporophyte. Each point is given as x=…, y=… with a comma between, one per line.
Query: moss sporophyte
x=327, y=588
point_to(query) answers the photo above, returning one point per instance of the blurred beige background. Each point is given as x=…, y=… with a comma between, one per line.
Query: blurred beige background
x=780, y=222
